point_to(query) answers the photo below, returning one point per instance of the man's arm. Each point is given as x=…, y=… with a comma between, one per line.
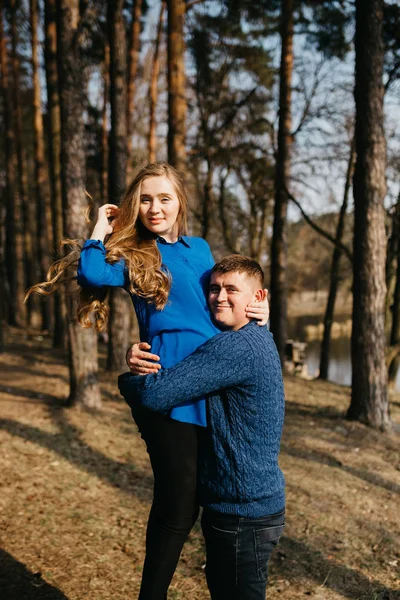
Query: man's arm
x=220, y=363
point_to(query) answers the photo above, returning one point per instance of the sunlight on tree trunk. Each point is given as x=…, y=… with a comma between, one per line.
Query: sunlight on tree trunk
x=120, y=303
x=84, y=387
x=60, y=335
x=176, y=85
x=369, y=400
x=152, y=143
x=278, y=285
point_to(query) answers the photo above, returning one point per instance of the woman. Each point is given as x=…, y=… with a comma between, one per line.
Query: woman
x=166, y=273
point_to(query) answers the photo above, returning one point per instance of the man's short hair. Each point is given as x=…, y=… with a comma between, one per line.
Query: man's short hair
x=240, y=264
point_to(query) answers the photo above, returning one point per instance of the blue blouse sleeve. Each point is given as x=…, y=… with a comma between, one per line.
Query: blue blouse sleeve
x=95, y=271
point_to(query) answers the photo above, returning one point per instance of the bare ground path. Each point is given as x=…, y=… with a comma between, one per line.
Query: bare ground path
x=76, y=488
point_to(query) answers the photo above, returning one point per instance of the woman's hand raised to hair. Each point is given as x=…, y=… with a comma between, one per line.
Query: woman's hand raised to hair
x=140, y=361
x=105, y=221
x=259, y=310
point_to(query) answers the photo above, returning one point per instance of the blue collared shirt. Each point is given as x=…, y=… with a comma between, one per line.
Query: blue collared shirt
x=184, y=324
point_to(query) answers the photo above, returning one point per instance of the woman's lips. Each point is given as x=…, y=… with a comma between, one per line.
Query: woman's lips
x=155, y=221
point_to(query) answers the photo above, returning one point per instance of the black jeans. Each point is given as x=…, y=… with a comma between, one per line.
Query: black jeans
x=238, y=551
x=172, y=447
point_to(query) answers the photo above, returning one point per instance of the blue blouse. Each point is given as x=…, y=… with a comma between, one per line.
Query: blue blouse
x=185, y=322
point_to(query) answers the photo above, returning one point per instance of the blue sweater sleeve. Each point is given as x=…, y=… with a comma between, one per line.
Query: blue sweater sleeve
x=95, y=271
x=222, y=362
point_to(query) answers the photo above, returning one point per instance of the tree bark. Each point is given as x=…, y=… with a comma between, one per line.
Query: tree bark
x=393, y=248
x=395, y=332
x=369, y=399
x=176, y=85
x=120, y=304
x=17, y=278
x=133, y=61
x=82, y=342
x=43, y=216
x=334, y=274
x=278, y=284
x=394, y=309
x=60, y=332
x=8, y=259
x=3, y=277
x=104, y=126
x=227, y=234
x=152, y=145
x=207, y=202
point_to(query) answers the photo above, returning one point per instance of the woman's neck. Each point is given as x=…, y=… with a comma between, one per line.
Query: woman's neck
x=171, y=238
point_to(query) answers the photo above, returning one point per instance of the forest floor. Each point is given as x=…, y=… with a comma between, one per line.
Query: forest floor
x=76, y=488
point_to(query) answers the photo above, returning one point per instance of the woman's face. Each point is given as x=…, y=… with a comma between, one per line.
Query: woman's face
x=159, y=207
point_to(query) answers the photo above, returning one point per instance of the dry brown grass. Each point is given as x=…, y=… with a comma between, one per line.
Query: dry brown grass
x=76, y=489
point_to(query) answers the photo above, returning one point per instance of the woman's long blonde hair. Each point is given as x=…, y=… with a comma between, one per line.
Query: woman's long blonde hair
x=131, y=241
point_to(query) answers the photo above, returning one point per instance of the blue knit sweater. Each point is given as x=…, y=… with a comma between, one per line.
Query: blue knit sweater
x=239, y=372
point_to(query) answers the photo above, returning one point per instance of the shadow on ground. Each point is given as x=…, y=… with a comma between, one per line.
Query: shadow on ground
x=70, y=446
x=295, y=559
x=18, y=583
x=325, y=459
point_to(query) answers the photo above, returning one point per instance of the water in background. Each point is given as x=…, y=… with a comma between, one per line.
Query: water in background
x=339, y=370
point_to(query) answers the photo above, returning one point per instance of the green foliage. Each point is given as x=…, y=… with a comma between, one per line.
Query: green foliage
x=391, y=38
x=328, y=26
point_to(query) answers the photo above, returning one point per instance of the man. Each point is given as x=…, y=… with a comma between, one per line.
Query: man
x=241, y=486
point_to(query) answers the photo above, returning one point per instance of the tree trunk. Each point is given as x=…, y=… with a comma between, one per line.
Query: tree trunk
x=395, y=332
x=17, y=281
x=133, y=61
x=3, y=279
x=154, y=89
x=393, y=248
x=8, y=257
x=176, y=85
x=394, y=302
x=82, y=342
x=334, y=275
x=227, y=234
x=104, y=126
x=43, y=215
x=369, y=399
x=207, y=202
x=252, y=225
x=261, y=234
x=278, y=285
x=60, y=332
x=120, y=304
x=27, y=207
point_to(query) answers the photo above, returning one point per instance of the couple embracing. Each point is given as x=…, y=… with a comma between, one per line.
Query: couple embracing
x=208, y=400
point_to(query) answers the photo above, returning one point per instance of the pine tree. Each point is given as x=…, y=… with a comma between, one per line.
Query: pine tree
x=369, y=401
x=84, y=386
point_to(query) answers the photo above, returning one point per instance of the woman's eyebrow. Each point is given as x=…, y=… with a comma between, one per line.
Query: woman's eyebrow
x=165, y=195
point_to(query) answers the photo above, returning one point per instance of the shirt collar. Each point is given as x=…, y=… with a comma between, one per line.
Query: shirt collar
x=184, y=239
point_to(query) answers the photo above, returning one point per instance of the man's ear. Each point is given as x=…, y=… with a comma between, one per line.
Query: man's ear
x=260, y=295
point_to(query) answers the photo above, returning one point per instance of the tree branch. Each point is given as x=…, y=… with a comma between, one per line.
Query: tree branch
x=190, y=5
x=234, y=112
x=319, y=230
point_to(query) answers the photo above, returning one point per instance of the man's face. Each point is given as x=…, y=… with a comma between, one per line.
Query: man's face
x=228, y=297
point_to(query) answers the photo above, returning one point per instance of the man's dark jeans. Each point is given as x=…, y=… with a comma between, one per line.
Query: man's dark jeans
x=238, y=551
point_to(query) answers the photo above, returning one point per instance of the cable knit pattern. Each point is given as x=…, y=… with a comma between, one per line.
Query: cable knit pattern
x=239, y=372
